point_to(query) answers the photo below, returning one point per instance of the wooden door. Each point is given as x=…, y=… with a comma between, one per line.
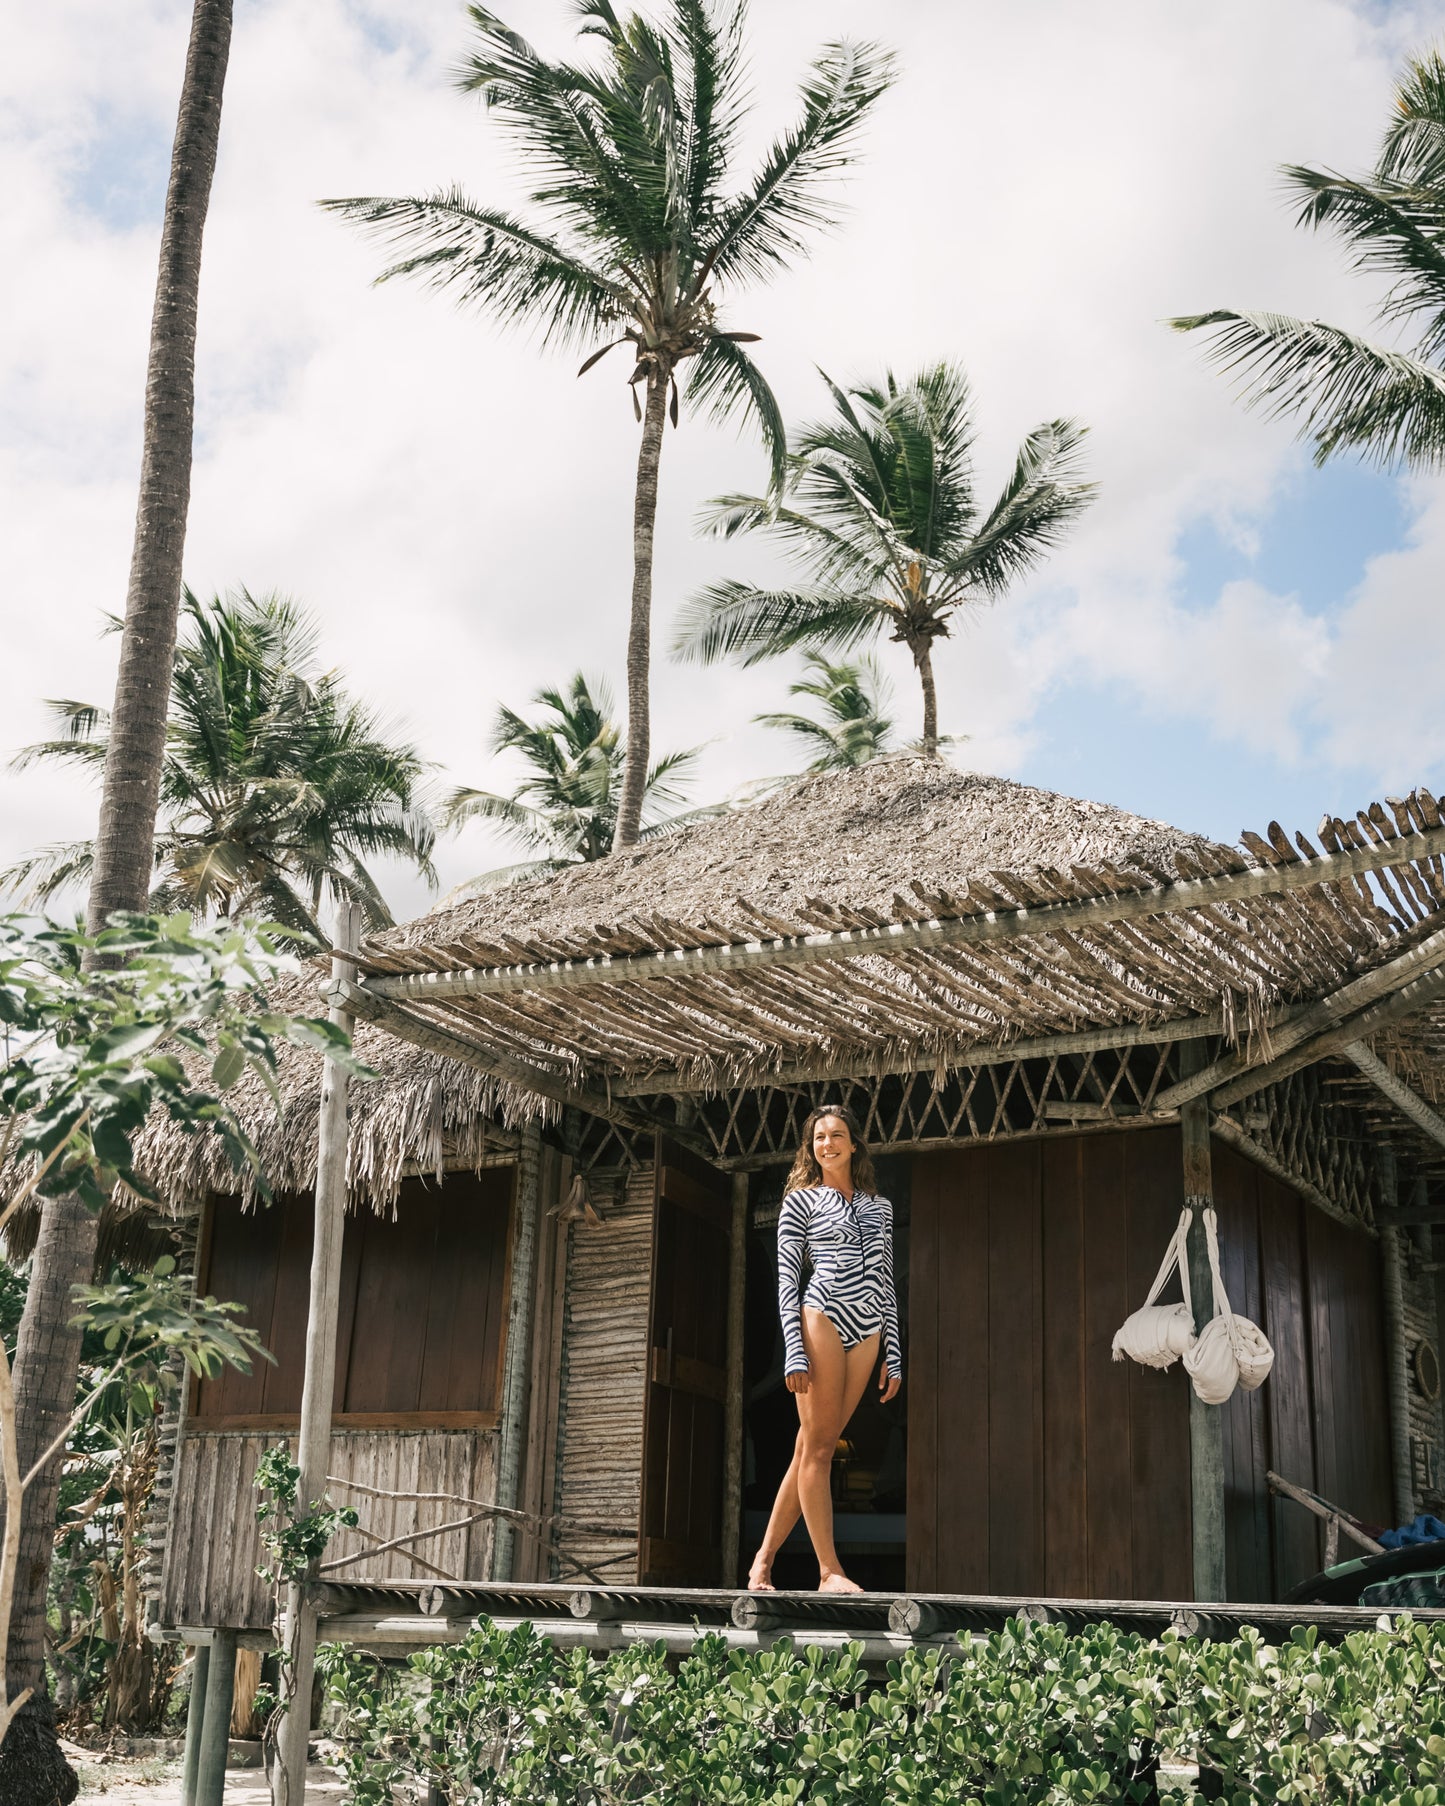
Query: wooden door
x=680, y=1524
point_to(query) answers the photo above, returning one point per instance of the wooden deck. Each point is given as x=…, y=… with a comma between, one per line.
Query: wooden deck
x=402, y=1616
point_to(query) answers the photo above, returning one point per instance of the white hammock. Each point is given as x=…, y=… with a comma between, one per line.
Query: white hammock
x=1230, y=1351
x=1156, y=1335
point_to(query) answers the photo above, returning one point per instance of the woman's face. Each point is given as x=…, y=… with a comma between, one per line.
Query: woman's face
x=831, y=1140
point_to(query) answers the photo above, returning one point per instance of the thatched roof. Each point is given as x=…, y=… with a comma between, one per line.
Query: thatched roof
x=892, y=915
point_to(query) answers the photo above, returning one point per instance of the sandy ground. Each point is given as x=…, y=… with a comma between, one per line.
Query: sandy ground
x=143, y=1781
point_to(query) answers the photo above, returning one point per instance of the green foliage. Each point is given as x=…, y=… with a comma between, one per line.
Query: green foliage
x=141, y=1320
x=883, y=515
x=1030, y=1716
x=89, y=1055
x=566, y=807
x=1349, y=394
x=640, y=220
x=853, y=697
x=293, y=1539
x=277, y=787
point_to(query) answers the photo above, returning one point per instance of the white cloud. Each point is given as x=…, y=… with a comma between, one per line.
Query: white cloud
x=1048, y=182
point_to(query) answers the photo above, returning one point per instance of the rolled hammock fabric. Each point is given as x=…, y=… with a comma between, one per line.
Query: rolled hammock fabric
x=1156, y=1335
x=1229, y=1351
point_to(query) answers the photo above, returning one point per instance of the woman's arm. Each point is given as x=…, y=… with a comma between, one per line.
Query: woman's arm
x=892, y=1347
x=792, y=1246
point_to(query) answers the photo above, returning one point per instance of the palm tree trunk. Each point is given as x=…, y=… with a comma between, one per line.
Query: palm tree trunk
x=131, y=787
x=639, y=633
x=923, y=659
x=47, y=1359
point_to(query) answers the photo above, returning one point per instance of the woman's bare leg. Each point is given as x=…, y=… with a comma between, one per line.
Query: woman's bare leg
x=838, y=1377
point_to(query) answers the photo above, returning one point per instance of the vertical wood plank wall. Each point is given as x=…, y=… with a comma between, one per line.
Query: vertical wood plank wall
x=1037, y=1464
x=210, y=1574
x=1321, y=1419
x=604, y=1377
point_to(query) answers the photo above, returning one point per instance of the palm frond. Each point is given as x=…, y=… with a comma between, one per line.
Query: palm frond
x=1414, y=146
x=488, y=259
x=726, y=381
x=769, y=221
x=1394, y=231
x=465, y=804
x=45, y=873
x=1350, y=395
x=736, y=620
x=1044, y=495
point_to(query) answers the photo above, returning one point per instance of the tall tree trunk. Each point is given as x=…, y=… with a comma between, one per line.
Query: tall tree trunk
x=32, y=1770
x=639, y=632
x=923, y=659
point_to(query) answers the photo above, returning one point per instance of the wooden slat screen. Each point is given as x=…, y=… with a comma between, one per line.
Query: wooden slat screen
x=422, y=1309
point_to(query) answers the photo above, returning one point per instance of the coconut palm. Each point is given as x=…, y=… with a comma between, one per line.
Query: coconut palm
x=854, y=728
x=565, y=810
x=882, y=512
x=1347, y=393
x=33, y=1771
x=277, y=788
x=641, y=233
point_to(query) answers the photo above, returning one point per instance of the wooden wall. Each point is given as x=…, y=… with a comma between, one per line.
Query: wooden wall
x=1321, y=1419
x=604, y=1376
x=1037, y=1464
x=422, y=1314
x=210, y=1573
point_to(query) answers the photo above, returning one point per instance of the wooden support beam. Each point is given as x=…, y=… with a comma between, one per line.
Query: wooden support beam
x=195, y=1719
x=1406, y=983
x=1206, y=1422
x=1408, y=1102
x=956, y=1059
x=989, y=927
x=319, y=1381
x=215, y=1739
x=1397, y=1348
x=733, y=1403
x=517, y=1365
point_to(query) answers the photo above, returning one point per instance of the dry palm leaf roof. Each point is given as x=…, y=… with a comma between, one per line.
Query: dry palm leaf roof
x=872, y=920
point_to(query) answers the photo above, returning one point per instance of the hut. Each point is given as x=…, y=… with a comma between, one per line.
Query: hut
x=556, y=1340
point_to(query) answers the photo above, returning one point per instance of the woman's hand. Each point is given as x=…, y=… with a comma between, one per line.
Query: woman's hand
x=888, y=1384
x=799, y=1382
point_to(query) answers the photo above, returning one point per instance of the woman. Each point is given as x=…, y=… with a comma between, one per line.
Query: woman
x=833, y=1220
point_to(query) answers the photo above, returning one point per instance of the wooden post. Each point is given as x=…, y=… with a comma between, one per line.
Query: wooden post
x=512, y=1440
x=314, y=1454
x=1397, y=1352
x=215, y=1738
x=1206, y=1422
x=195, y=1718
x=732, y=1517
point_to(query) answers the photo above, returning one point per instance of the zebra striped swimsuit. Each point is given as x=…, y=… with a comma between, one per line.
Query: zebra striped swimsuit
x=850, y=1245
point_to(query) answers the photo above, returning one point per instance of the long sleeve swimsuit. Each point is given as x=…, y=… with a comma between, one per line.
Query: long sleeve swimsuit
x=849, y=1242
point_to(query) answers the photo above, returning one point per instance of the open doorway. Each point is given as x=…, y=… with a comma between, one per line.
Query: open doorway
x=870, y=1469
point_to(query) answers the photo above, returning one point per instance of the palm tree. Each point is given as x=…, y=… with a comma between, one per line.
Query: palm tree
x=33, y=1772
x=1347, y=393
x=882, y=512
x=276, y=788
x=639, y=236
x=854, y=728
x=565, y=811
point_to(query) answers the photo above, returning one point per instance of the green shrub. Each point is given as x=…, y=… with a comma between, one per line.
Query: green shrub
x=1029, y=1716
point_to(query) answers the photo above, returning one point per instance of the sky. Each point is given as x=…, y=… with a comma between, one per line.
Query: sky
x=1230, y=635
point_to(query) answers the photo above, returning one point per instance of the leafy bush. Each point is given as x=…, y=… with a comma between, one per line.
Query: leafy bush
x=1028, y=1715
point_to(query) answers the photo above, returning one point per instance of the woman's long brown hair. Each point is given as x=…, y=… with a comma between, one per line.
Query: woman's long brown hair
x=806, y=1170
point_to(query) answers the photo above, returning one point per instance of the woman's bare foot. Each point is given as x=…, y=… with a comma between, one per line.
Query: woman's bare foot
x=760, y=1575
x=838, y=1583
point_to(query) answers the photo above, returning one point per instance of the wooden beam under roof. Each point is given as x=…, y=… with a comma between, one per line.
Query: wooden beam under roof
x=1405, y=1099
x=988, y=926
